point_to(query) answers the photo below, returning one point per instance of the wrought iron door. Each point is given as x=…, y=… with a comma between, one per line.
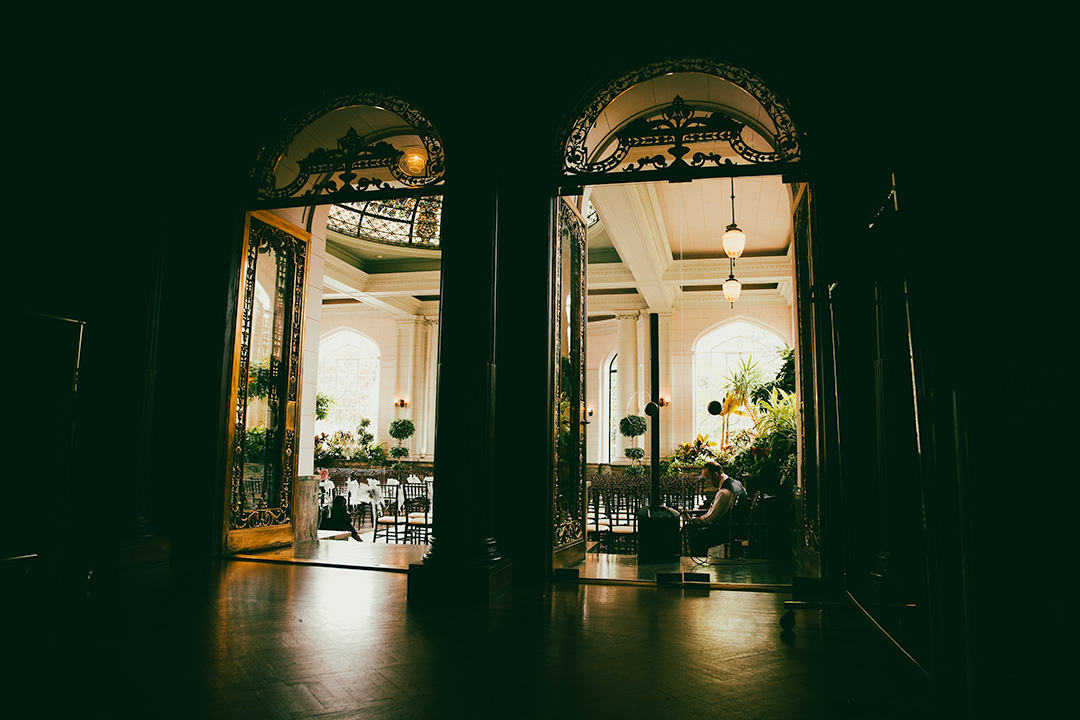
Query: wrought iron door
x=569, y=425
x=263, y=442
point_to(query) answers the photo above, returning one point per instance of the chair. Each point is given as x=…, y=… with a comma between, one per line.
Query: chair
x=390, y=516
x=417, y=511
x=597, y=522
x=739, y=529
x=622, y=506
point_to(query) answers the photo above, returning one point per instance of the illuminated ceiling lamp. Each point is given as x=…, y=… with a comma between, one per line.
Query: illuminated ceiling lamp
x=734, y=239
x=414, y=160
x=734, y=243
x=732, y=288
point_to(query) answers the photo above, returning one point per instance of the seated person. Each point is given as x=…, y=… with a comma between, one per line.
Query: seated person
x=714, y=527
x=339, y=519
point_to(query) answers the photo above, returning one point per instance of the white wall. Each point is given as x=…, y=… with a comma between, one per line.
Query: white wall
x=384, y=331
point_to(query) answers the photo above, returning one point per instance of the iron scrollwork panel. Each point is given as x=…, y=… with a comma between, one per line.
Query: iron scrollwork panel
x=570, y=273
x=356, y=161
x=267, y=378
x=678, y=122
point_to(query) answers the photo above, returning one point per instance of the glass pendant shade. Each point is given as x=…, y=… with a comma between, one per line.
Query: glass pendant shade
x=734, y=241
x=414, y=160
x=732, y=289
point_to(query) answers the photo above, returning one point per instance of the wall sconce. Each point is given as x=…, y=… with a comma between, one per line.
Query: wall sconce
x=664, y=402
x=589, y=411
x=401, y=403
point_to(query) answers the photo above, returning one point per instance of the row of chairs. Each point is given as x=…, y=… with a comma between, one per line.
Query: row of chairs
x=404, y=513
x=612, y=518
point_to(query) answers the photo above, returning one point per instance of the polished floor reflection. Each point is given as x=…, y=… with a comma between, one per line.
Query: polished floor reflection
x=762, y=573
x=759, y=573
x=345, y=553
x=265, y=640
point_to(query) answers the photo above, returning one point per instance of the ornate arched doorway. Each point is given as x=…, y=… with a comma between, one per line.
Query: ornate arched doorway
x=670, y=155
x=361, y=148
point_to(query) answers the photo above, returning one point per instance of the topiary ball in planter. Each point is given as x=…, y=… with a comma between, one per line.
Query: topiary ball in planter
x=635, y=471
x=401, y=429
x=399, y=451
x=635, y=453
x=633, y=425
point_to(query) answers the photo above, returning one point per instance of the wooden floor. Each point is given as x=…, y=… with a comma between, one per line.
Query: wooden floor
x=760, y=573
x=265, y=640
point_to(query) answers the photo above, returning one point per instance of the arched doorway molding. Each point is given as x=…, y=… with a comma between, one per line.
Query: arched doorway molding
x=779, y=332
x=758, y=108
x=349, y=147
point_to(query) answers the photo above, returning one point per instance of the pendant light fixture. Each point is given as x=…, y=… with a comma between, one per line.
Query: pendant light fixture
x=732, y=288
x=734, y=243
x=734, y=239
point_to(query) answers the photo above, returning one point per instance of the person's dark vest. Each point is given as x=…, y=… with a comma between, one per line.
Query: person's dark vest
x=740, y=507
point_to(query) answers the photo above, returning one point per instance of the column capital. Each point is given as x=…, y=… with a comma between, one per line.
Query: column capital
x=627, y=315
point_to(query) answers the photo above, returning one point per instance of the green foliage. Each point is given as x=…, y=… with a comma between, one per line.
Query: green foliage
x=689, y=455
x=635, y=453
x=377, y=455
x=784, y=380
x=255, y=444
x=696, y=453
x=740, y=385
x=778, y=413
x=635, y=471
x=769, y=459
x=633, y=425
x=766, y=456
x=323, y=403
x=402, y=429
x=344, y=445
x=399, y=451
x=258, y=386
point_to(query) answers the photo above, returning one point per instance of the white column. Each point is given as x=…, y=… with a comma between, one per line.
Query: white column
x=629, y=398
x=411, y=362
x=309, y=372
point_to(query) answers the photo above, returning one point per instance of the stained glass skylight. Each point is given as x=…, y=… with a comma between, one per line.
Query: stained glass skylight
x=402, y=221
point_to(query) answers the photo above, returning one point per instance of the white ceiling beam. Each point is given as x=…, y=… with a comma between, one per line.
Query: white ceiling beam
x=342, y=278
x=754, y=298
x=403, y=283
x=603, y=304
x=770, y=269
x=632, y=217
x=610, y=275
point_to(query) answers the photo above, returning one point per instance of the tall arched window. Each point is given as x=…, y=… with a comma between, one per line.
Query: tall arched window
x=718, y=354
x=349, y=374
